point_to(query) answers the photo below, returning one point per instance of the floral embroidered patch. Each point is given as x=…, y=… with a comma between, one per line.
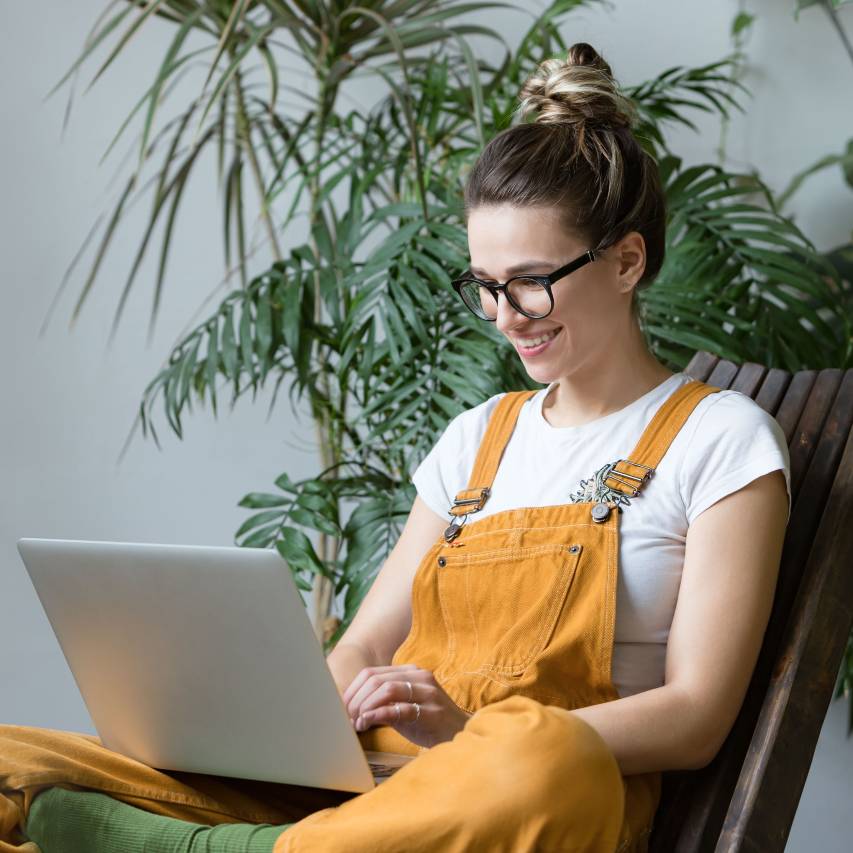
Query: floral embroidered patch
x=594, y=489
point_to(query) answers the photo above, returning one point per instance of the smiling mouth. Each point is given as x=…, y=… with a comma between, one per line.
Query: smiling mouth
x=535, y=340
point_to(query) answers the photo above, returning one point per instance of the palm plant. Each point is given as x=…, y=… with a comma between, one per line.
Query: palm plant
x=360, y=317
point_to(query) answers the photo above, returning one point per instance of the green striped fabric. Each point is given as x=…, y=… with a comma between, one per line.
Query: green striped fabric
x=62, y=821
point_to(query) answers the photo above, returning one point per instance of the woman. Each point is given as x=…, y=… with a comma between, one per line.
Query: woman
x=593, y=613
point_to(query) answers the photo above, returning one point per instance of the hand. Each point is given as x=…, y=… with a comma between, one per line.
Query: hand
x=371, y=696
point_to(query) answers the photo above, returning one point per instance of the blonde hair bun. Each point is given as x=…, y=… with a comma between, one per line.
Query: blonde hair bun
x=579, y=90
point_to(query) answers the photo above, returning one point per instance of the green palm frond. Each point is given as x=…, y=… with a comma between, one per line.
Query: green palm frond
x=728, y=254
x=261, y=141
x=667, y=98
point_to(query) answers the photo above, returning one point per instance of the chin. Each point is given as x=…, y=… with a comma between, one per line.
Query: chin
x=544, y=375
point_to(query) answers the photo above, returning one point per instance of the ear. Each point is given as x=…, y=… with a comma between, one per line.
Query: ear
x=630, y=255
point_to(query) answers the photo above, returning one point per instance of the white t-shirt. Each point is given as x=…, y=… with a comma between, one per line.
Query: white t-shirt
x=727, y=442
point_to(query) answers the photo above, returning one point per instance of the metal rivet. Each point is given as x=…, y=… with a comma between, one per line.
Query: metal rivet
x=600, y=512
x=442, y=562
x=574, y=549
x=451, y=532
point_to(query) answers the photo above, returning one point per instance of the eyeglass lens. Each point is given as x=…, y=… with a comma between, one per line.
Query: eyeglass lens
x=527, y=294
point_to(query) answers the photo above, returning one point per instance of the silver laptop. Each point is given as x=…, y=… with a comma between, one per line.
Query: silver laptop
x=201, y=658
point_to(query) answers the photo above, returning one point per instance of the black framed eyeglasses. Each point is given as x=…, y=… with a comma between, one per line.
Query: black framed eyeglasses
x=528, y=294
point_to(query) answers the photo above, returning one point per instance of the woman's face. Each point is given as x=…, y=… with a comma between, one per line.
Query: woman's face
x=592, y=305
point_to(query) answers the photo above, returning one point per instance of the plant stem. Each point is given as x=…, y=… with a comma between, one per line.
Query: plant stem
x=322, y=587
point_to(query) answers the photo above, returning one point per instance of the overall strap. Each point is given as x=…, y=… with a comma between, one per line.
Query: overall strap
x=501, y=424
x=628, y=476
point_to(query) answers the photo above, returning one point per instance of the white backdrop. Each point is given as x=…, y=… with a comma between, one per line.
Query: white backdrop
x=68, y=400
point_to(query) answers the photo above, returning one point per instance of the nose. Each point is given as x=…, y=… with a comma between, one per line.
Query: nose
x=507, y=317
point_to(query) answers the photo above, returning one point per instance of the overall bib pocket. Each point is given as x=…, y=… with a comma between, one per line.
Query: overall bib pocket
x=501, y=606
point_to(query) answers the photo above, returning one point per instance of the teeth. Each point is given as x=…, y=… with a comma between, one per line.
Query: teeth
x=532, y=342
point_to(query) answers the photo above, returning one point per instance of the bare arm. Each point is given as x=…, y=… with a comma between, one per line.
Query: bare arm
x=727, y=585
x=385, y=615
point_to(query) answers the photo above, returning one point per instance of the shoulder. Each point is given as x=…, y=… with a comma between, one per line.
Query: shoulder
x=464, y=433
x=470, y=425
x=729, y=416
x=461, y=432
x=447, y=466
x=728, y=441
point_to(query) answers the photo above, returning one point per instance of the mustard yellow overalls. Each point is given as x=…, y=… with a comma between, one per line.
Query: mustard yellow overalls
x=514, y=614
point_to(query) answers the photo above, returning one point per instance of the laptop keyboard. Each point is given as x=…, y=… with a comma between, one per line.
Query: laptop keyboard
x=383, y=770
x=385, y=764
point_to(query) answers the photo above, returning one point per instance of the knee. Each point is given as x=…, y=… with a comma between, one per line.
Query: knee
x=548, y=754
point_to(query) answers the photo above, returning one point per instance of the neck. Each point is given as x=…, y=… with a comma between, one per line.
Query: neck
x=605, y=382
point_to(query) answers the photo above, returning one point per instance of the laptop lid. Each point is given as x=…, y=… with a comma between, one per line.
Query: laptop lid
x=198, y=658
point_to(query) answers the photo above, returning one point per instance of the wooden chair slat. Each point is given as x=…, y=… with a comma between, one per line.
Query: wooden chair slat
x=773, y=390
x=810, y=499
x=723, y=374
x=810, y=424
x=701, y=365
x=794, y=402
x=748, y=379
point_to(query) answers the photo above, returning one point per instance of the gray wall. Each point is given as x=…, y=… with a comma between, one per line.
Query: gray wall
x=69, y=400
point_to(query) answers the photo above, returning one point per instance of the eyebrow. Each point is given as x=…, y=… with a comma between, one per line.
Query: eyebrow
x=522, y=267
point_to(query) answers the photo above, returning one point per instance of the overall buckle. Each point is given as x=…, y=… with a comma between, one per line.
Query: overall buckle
x=480, y=500
x=630, y=480
x=459, y=519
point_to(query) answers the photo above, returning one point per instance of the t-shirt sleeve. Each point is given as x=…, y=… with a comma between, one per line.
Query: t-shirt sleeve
x=445, y=470
x=735, y=442
x=434, y=477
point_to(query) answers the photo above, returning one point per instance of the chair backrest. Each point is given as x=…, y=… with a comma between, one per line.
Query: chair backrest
x=746, y=798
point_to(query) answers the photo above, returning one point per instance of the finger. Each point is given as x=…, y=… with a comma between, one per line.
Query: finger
x=365, y=673
x=390, y=692
x=380, y=688
x=370, y=679
x=386, y=715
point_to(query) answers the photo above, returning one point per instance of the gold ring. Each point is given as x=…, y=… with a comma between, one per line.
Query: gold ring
x=411, y=693
x=417, y=712
x=397, y=708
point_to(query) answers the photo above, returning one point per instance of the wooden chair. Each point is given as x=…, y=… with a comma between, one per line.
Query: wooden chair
x=746, y=798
